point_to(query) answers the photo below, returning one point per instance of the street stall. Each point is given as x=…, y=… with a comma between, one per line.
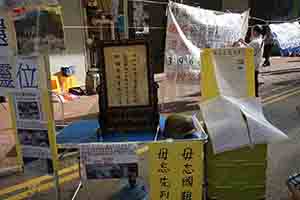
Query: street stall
x=219, y=152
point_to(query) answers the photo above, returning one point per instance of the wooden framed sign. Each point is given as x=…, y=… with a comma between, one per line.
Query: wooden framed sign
x=128, y=94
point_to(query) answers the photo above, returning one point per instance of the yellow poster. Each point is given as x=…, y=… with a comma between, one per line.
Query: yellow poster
x=176, y=170
x=228, y=72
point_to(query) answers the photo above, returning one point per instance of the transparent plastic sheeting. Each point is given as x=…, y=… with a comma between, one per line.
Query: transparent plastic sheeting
x=191, y=29
x=287, y=36
x=234, y=123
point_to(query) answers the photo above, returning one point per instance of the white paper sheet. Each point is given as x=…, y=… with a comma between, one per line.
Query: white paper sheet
x=261, y=130
x=226, y=126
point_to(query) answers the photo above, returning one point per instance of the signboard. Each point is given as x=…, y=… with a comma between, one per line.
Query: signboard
x=190, y=29
x=107, y=161
x=176, y=170
x=127, y=89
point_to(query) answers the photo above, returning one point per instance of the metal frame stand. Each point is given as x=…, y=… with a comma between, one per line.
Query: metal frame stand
x=81, y=185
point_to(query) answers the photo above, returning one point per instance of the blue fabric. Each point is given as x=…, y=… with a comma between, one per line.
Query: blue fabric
x=85, y=131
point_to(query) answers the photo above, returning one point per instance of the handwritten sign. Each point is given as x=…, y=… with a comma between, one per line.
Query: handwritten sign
x=176, y=170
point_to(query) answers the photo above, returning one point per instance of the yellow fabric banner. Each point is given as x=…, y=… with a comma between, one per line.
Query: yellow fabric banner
x=176, y=170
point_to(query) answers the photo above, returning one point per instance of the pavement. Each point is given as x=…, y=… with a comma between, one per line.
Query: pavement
x=280, y=92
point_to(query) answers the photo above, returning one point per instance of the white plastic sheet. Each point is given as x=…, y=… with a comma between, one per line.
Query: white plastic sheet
x=225, y=124
x=287, y=36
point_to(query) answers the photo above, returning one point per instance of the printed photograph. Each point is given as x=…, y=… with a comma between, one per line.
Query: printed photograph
x=113, y=171
x=36, y=138
x=28, y=110
x=36, y=151
x=40, y=32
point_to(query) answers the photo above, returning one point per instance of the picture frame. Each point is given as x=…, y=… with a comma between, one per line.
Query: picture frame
x=127, y=88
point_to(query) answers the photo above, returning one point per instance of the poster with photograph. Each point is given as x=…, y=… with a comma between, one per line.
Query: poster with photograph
x=35, y=143
x=29, y=113
x=36, y=151
x=40, y=31
x=109, y=171
x=108, y=161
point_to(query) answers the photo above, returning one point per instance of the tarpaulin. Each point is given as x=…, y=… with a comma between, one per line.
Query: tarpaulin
x=287, y=37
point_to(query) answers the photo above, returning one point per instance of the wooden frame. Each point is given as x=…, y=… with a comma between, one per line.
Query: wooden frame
x=128, y=112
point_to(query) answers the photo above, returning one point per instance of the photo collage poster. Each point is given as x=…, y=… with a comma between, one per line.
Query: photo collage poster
x=108, y=161
x=32, y=131
x=40, y=30
x=29, y=100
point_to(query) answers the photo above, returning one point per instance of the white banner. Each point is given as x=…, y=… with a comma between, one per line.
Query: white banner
x=190, y=29
x=287, y=36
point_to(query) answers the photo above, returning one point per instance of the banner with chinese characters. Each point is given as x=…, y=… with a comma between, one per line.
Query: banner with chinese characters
x=8, y=50
x=175, y=170
x=190, y=29
x=108, y=161
x=25, y=74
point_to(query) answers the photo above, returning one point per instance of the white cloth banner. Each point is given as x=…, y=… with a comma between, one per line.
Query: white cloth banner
x=287, y=36
x=190, y=29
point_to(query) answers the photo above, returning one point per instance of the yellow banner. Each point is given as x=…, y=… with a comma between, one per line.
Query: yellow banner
x=176, y=170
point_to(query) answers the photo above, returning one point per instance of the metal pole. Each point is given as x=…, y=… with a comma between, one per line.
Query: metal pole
x=57, y=187
x=125, y=10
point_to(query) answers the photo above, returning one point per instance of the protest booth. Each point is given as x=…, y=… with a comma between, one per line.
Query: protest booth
x=218, y=153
